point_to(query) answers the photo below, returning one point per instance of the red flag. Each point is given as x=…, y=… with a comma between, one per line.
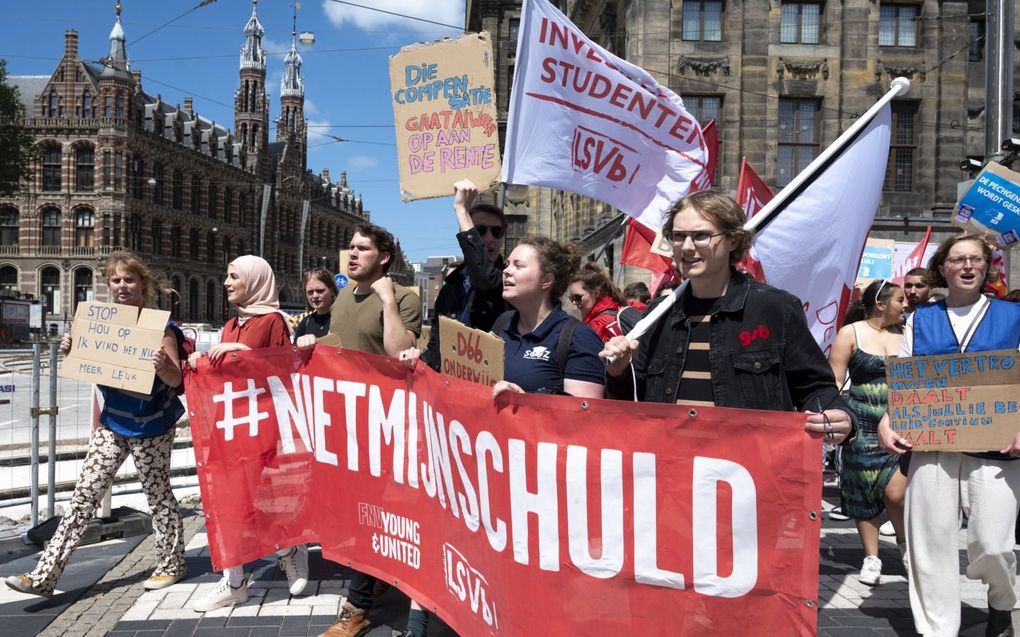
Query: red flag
x=999, y=286
x=752, y=195
x=913, y=259
x=637, y=249
x=711, y=135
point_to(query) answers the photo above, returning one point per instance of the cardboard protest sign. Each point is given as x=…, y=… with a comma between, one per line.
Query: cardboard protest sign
x=113, y=345
x=955, y=402
x=876, y=260
x=445, y=111
x=470, y=354
x=992, y=204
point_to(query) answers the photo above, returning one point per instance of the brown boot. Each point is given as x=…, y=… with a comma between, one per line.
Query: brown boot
x=352, y=622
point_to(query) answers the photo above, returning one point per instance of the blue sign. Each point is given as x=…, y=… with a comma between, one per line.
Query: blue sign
x=877, y=259
x=993, y=204
x=341, y=281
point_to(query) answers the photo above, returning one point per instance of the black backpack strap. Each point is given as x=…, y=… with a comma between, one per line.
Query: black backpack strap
x=563, y=344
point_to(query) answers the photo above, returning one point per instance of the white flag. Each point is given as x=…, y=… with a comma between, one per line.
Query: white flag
x=812, y=245
x=583, y=120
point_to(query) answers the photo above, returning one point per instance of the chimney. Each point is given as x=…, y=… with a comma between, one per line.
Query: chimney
x=71, y=44
x=137, y=77
x=187, y=104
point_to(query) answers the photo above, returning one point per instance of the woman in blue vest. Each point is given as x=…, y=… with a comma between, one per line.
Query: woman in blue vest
x=942, y=484
x=135, y=424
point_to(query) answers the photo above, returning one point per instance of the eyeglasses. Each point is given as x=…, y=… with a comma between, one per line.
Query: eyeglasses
x=975, y=260
x=575, y=298
x=700, y=238
x=497, y=231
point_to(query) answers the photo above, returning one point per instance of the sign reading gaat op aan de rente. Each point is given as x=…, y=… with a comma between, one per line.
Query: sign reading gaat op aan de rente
x=445, y=111
x=113, y=345
x=955, y=402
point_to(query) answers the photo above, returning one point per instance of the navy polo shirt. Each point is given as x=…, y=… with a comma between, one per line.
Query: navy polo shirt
x=530, y=359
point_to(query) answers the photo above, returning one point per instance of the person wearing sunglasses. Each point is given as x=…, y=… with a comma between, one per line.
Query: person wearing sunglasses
x=728, y=340
x=473, y=292
x=943, y=486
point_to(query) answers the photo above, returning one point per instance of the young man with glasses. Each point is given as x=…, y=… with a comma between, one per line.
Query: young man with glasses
x=728, y=341
x=472, y=293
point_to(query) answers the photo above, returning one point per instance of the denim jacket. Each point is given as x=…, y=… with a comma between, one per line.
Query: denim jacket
x=761, y=353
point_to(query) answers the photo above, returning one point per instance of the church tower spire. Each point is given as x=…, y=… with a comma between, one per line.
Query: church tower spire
x=291, y=125
x=251, y=106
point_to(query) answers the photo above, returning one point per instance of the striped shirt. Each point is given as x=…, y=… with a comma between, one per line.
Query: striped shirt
x=696, y=379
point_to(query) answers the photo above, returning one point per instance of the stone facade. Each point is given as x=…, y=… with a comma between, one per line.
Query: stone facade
x=755, y=73
x=120, y=168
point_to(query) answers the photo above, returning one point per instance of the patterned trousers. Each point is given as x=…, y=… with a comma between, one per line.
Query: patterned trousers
x=107, y=451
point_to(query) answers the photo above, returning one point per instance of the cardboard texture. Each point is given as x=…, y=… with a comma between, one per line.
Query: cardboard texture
x=470, y=354
x=444, y=105
x=113, y=345
x=992, y=204
x=958, y=402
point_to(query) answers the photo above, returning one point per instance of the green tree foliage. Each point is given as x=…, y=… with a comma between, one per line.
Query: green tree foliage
x=17, y=146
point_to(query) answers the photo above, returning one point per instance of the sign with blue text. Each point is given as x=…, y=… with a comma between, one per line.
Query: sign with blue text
x=992, y=204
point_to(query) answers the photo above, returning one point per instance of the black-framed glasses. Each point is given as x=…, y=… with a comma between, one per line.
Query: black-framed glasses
x=976, y=260
x=700, y=238
x=497, y=231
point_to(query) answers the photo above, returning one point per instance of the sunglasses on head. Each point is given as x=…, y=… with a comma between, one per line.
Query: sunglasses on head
x=497, y=231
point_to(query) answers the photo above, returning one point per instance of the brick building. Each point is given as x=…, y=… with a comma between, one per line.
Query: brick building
x=783, y=79
x=121, y=168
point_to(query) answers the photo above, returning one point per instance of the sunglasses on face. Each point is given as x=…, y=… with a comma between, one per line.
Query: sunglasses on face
x=497, y=231
x=576, y=298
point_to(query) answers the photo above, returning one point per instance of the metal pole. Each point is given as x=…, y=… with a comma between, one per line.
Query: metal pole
x=301, y=244
x=267, y=191
x=34, y=420
x=51, y=457
x=998, y=73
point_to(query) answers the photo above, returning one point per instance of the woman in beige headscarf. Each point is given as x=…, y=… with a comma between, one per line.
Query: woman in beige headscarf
x=251, y=288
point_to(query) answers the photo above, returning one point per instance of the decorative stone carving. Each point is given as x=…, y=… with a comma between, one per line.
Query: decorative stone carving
x=703, y=67
x=900, y=70
x=802, y=70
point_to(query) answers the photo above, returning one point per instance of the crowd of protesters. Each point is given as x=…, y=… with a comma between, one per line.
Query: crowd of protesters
x=694, y=355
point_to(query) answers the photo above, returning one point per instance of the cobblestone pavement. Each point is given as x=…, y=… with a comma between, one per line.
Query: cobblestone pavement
x=116, y=605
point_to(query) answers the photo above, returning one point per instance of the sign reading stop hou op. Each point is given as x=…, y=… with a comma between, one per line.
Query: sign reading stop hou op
x=444, y=106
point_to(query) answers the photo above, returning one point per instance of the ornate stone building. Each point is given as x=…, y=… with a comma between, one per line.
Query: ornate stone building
x=783, y=79
x=120, y=168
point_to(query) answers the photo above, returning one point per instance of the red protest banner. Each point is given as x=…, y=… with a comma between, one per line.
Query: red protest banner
x=605, y=515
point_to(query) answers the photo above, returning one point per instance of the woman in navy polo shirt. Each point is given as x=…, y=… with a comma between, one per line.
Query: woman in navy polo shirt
x=537, y=359
x=941, y=485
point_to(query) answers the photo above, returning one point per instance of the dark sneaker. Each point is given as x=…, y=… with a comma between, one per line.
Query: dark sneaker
x=352, y=622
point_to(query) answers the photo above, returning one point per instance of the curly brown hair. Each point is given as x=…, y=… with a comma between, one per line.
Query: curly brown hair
x=935, y=278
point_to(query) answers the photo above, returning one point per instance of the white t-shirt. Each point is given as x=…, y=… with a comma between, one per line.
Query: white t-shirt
x=961, y=318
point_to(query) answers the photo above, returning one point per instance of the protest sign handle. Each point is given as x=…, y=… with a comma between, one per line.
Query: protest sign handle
x=898, y=86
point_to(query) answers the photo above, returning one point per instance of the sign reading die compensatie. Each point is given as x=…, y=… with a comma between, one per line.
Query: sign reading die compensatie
x=445, y=111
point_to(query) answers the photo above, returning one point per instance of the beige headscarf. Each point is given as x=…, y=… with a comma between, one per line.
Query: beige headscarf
x=259, y=287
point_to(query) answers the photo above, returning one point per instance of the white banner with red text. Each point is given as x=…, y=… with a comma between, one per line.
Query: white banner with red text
x=586, y=516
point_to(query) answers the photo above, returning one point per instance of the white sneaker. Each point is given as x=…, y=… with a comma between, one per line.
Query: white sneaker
x=905, y=558
x=836, y=513
x=871, y=571
x=222, y=595
x=887, y=529
x=295, y=566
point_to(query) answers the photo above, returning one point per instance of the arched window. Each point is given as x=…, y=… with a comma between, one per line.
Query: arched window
x=9, y=278
x=210, y=301
x=138, y=178
x=228, y=205
x=49, y=289
x=193, y=244
x=193, y=300
x=212, y=200
x=157, y=236
x=84, y=228
x=210, y=247
x=134, y=238
x=52, y=106
x=175, y=242
x=196, y=195
x=228, y=253
x=51, y=227
x=157, y=188
x=84, y=168
x=240, y=248
x=82, y=286
x=177, y=196
x=51, y=155
x=242, y=208
x=9, y=218
x=88, y=108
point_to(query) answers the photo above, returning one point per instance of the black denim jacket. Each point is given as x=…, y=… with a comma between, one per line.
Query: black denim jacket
x=761, y=353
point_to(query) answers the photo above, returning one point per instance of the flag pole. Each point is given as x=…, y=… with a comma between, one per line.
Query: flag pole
x=898, y=86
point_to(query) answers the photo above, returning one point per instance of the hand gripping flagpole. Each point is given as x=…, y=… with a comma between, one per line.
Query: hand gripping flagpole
x=899, y=86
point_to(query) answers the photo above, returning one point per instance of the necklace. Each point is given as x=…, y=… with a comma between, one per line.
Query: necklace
x=877, y=329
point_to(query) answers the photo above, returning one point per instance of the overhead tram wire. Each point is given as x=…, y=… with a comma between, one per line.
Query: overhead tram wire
x=398, y=15
x=201, y=4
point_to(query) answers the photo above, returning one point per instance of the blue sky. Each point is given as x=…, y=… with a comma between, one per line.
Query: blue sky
x=345, y=71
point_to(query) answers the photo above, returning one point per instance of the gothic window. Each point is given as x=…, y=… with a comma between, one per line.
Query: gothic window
x=157, y=188
x=196, y=195
x=84, y=168
x=193, y=300
x=157, y=236
x=9, y=278
x=82, y=286
x=51, y=156
x=212, y=200
x=51, y=227
x=9, y=218
x=84, y=228
x=193, y=244
x=175, y=241
x=177, y=195
x=134, y=238
x=50, y=289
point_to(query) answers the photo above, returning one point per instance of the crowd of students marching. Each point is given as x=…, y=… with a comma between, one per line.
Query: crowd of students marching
x=692, y=355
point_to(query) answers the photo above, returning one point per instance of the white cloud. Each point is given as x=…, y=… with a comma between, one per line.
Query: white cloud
x=310, y=107
x=363, y=161
x=449, y=12
x=275, y=48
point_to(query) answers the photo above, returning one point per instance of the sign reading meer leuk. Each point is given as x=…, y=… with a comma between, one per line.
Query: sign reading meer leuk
x=955, y=402
x=445, y=111
x=113, y=345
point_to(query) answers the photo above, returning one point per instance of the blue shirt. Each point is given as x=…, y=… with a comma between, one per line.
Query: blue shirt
x=529, y=360
x=136, y=416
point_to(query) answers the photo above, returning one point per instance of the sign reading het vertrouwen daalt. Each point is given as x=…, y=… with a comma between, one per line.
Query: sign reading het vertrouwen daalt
x=955, y=402
x=113, y=345
x=445, y=111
